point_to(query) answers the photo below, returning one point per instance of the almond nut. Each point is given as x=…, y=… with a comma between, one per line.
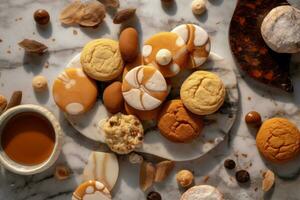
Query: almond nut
x=163, y=169
x=268, y=181
x=147, y=174
x=124, y=15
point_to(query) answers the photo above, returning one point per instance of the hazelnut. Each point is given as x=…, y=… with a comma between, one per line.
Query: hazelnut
x=153, y=196
x=242, y=176
x=39, y=83
x=41, y=17
x=61, y=172
x=253, y=118
x=229, y=164
x=167, y=1
x=3, y=103
x=184, y=178
x=199, y=7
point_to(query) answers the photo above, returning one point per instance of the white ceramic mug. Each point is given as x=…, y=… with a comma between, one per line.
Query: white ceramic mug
x=18, y=168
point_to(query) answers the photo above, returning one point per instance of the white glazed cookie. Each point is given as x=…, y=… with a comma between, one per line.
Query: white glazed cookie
x=91, y=190
x=197, y=42
x=144, y=88
x=74, y=92
x=281, y=29
x=103, y=167
x=202, y=192
x=124, y=133
x=166, y=51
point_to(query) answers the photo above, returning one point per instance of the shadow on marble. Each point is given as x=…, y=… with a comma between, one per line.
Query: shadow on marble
x=203, y=17
x=170, y=8
x=216, y=2
x=96, y=32
x=42, y=97
x=45, y=31
x=35, y=63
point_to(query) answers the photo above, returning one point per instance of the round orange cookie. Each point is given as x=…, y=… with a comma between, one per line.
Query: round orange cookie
x=91, y=190
x=166, y=51
x=278, y=140
x=74, y=92
x=144, y=88
x=177, y=124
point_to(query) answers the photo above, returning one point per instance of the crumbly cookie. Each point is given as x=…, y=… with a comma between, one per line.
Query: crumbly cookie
x=202, y=192
x=124, y=133
x=278, y=140
x=197, y=42
x=144, y=88
x=101, y=59
x=74, y=92
x=177, y=124
x=166, y=51
x=203, y=93
x=91, y=190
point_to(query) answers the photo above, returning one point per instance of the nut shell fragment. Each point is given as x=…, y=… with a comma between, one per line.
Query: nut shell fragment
x=163, y=169
x=268, y=181
x=32, y=46
x=147, y=175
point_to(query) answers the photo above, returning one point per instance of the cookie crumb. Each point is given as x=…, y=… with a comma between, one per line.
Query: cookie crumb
x=75, y=32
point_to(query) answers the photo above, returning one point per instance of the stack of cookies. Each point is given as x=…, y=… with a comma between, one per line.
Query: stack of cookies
x=138, y=84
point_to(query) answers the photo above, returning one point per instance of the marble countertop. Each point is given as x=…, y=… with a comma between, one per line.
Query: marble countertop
x=17, y=71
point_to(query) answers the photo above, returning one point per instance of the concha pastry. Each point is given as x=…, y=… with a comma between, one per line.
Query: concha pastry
x=281, y=29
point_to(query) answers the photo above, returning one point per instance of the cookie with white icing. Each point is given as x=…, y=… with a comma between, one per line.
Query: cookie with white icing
x=166, y=51
x=91, y=190
x=74, y=92
x=197, y=42
x=144, y=88
x=202, y=192
x=103, y=167
x=281, y=29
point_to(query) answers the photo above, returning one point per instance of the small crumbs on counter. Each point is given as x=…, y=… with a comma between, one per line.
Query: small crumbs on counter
x=33, y=33
x=1, y=40
x=53, y=39
x=244, y=155
x=8, y=52
x=75, y=32
x=205, y=179
x=249, y=98
x=255, y=189
x=46, y=65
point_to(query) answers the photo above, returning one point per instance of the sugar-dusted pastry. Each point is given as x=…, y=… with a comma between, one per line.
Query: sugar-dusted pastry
x=197, y=42
x=166, y=51
x=39, y=83
x=278, y=140
x=91, y=190
x=142, y=114
x=177, y=124
x=202, y=192
x=124, y=133
x=203, y=93
x=144, y=88
x=101, y=59
x=112, y=97
x=280, y=29
x=129, y=44
x=103, y=167
x=74, y=92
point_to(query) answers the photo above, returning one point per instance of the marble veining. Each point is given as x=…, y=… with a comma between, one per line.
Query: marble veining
x=17, y=70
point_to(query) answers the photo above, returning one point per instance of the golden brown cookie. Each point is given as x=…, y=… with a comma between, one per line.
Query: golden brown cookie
x=197, y=42
x=112, y=97
x=74, y=92
x=91, y=190
x=203, y=93
x=278, y=140
x=166, y=51
x=101, y=59
x=177, y=124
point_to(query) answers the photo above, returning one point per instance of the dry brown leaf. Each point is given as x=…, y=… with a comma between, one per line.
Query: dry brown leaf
x=15, y=100
x=124, y=15
x=147, y=174
x=32, y=46
x=268, y=181
x=111, y=3
x=88, y=14
x=163, y=169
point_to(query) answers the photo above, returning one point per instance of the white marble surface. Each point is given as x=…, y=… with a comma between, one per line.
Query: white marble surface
x=17, y=70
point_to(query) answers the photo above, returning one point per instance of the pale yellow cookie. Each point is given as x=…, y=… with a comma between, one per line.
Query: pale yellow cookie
x=203, y=93
x=101, y=59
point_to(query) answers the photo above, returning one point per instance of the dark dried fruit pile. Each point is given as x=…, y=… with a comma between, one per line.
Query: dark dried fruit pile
x=249, y=48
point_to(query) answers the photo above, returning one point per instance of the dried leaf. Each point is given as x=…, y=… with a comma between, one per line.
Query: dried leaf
x=147, y=173
x=32, y=46
x=88, y=14
x=163, y=169
x=111, y=3
x=124, y=15
x=15, y=100
x=268, y=181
